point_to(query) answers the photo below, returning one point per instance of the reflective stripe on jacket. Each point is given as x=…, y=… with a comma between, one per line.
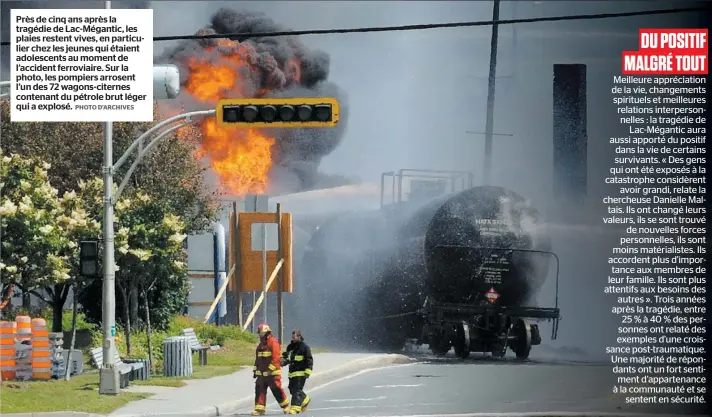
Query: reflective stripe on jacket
x=300, y=359
x=267, y=358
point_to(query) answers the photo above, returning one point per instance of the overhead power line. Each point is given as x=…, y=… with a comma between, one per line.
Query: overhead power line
x=433, y=25
x=243, y=36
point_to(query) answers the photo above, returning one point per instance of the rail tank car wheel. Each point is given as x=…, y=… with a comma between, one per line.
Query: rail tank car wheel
x=462, y=341
x=522, y=343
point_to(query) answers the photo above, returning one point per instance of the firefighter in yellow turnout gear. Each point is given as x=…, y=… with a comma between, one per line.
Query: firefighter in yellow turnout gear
x=268, y=372
x=299, y=358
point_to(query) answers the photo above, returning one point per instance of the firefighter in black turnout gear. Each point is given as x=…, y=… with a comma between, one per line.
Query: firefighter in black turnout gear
x=299, y=358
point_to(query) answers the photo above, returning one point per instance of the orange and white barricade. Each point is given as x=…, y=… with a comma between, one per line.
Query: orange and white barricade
x=24, y=329
x=23, y=348
x=41, y=352
x=7, y=349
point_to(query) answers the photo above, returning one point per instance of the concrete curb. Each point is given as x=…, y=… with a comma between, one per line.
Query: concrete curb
x=321, y=378
x=234, y=406
x=54, y=414
x=209, y=411
x=557, y=414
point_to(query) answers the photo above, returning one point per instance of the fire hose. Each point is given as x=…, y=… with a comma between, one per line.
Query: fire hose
x=392, y=316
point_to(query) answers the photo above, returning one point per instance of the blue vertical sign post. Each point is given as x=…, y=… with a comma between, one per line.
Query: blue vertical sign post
x=219, y=254
x=216, y=272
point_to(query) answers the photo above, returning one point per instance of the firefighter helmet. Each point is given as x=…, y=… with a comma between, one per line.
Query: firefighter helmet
x=263, y=328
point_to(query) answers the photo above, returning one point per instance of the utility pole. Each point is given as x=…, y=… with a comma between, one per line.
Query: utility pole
x=109, y=375
x=515, y=39
x=490, y=94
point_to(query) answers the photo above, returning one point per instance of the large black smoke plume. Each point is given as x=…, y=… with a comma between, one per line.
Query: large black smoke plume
x=276, y=67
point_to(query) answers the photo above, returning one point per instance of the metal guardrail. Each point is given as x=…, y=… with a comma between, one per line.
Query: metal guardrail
x=466, y=180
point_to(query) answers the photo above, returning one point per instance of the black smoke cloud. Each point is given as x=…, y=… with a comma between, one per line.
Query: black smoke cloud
x=270, y=66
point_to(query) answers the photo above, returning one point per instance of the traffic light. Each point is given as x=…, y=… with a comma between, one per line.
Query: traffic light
x=278, y=112
x=89, y=258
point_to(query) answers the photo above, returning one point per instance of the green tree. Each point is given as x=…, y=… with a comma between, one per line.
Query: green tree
x=150, y=259
x=35, y=247
x=155, y=254
x=80, y=216
x=171, y=172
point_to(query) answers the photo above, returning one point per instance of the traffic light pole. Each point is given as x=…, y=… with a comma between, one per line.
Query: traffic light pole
x=138, y=143
x=489, y=126
x=109, y=374
x=168, y=88
x=143, y=151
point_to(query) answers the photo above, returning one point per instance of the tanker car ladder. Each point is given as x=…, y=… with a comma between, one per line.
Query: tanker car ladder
x=479, y=327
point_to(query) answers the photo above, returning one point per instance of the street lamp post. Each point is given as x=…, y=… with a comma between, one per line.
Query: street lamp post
x=109, y=377
x=165, y=86
x=109, y=374
x=145, y=150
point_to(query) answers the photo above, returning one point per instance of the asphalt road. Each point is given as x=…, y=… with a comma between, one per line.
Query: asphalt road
x=450, y=386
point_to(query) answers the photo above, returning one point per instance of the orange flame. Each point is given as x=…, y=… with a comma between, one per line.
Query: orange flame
x=240, y=157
